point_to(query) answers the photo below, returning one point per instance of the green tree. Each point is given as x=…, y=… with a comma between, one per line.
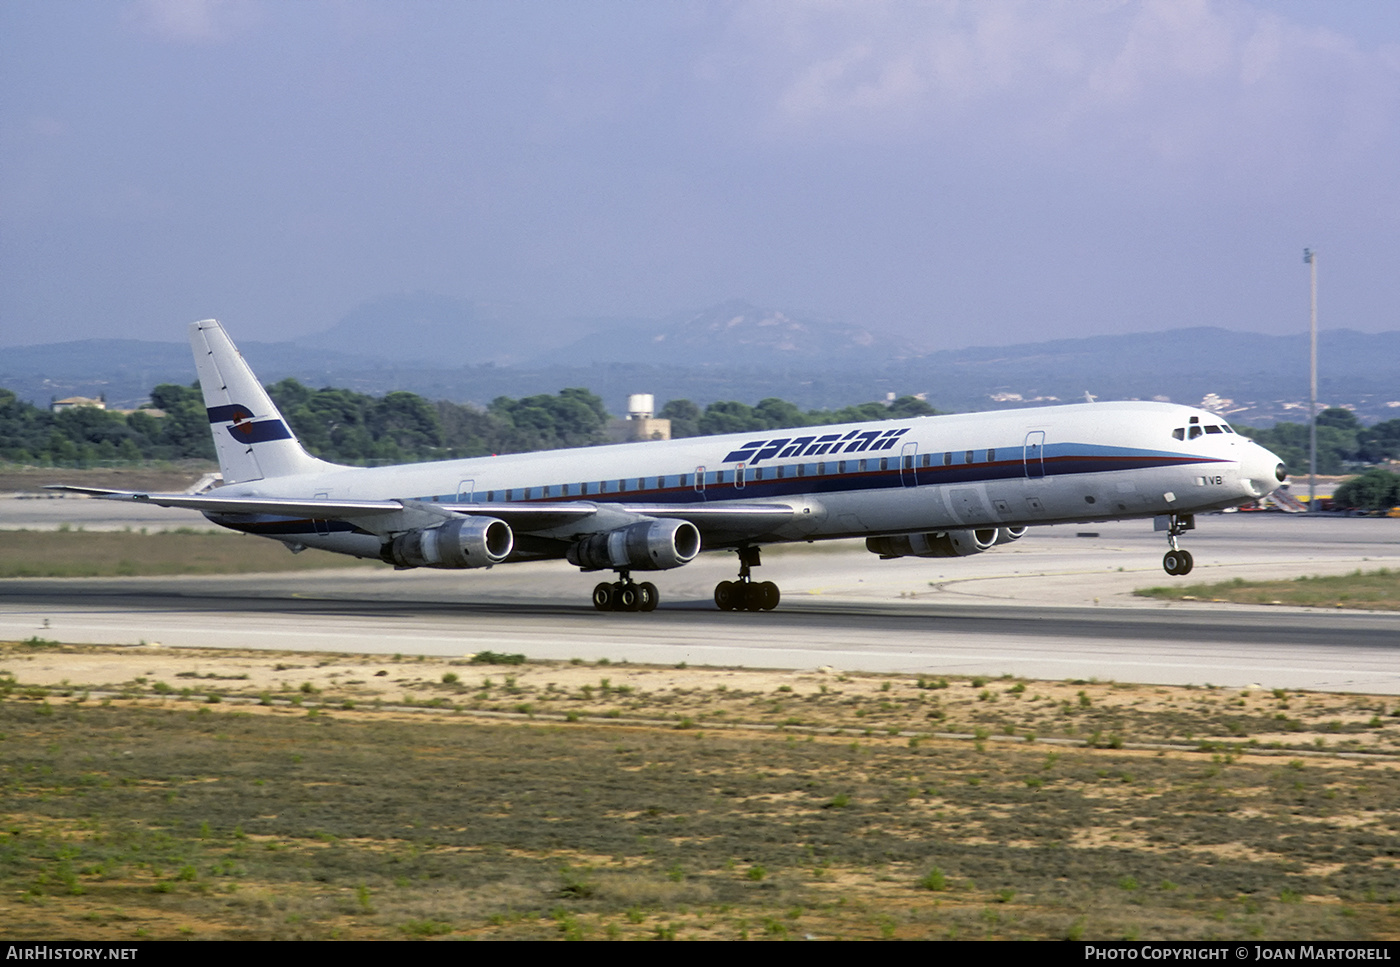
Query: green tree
x=776, y=414
x=910, y=406
x=729, y=417
x=1380, y=442
x=184, y=430
x=684, y=416
x=1376, y=489
x=573, y=418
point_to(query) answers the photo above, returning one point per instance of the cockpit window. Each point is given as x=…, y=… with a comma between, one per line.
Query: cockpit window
x=1196, y=431
x=1179, y=433
x=1213, y=429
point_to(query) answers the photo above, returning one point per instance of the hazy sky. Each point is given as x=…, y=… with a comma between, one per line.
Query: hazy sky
x=962, y=173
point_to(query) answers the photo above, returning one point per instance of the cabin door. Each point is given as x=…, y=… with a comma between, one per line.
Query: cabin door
x=909, y=465
x=1035, y=454
x=322, y=525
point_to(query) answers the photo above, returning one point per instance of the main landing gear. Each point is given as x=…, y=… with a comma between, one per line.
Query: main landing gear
x=746, y=594
x=1176, y=561
x=625, y=595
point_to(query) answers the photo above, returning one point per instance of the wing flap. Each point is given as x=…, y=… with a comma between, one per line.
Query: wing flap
x=722, y=518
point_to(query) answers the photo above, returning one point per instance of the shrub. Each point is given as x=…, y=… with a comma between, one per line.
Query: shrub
x=497, y=658
x=934, y=880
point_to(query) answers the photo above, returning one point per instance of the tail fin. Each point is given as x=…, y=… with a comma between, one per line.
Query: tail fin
x=253, y=441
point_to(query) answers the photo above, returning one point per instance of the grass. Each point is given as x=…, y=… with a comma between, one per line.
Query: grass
x=129, y=810
x=79, y=553
x=1370, y=590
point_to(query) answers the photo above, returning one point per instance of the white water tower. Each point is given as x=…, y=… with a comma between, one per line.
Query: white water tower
x=640, y=406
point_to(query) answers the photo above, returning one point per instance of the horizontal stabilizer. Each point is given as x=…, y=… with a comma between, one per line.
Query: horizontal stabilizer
x=319, y=509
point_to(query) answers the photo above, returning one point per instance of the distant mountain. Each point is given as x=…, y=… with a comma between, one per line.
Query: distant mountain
x=1261, y=364
x=729, y=333
x=443, y=349
x=124, y=370
x=433, y=329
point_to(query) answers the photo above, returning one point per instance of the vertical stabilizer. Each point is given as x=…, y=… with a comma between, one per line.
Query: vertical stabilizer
x=252, y=439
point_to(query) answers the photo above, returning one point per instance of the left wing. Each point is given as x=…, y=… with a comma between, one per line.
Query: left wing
x=718, y=519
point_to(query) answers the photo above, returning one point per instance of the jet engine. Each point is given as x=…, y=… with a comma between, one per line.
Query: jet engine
x=464, y=542
x=648, y=545
x=953, y=543
x=1005, y=535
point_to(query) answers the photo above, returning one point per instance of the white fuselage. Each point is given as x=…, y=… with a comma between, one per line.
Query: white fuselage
x=1014, y=468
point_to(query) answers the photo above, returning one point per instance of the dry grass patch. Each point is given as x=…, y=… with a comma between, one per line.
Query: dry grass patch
x=80, y=553
x=1370, y=590
x=145, y=811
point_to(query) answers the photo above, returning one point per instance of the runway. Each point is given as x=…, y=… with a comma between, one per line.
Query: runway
x=1055, y=605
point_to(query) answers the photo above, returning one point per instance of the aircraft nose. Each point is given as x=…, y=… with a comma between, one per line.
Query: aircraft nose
x=1261, y=471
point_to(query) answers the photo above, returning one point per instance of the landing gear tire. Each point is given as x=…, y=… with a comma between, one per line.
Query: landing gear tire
x=1177, y=563
x=727, y=595
x=745, y=594
x=753, y=597
x=771, y=595
x=603, y=597
x=628, y=598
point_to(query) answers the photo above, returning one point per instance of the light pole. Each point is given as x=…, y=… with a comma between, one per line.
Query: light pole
x=1310, y=257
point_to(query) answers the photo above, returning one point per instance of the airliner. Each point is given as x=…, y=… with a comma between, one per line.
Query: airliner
x=930, y=486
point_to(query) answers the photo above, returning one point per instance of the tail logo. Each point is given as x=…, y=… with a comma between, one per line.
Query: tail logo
x=243, y=428
x=242, y=424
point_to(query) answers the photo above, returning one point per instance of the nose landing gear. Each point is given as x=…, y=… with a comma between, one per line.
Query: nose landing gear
x=624, y=595
x=746, y=594
x=1176, y=561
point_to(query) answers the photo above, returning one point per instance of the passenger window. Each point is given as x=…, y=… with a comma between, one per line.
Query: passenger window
x=947, y=459
x=969, y=456
x=991, y=455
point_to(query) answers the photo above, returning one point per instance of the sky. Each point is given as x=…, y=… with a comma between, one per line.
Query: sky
x=958, y=173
